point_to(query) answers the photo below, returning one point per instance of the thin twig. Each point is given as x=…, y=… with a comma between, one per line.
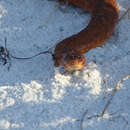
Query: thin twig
x=108, y=102
x=119, y=116
x=113, y=93
x=82, y=119
x=123, y=15
x=26, y=58
x=9, y=55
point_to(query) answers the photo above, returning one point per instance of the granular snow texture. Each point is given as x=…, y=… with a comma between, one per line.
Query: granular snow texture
x=36, y=96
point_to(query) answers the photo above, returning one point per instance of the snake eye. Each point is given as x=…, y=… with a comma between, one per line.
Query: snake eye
x=53, y=56
x=73, y=56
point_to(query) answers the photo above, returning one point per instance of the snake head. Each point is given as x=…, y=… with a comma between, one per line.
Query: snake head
x=73, y=61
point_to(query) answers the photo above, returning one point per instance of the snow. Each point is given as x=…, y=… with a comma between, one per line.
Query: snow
x=36, y=96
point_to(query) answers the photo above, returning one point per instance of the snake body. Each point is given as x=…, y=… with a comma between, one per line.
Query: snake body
x=104, y=16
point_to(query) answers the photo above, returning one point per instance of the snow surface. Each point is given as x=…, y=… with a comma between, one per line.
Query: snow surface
x=36, y=96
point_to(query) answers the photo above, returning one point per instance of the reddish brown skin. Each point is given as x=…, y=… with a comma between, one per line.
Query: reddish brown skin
x=104, y=16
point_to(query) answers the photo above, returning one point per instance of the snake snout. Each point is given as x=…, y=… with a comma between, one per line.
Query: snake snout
x=73, y=61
